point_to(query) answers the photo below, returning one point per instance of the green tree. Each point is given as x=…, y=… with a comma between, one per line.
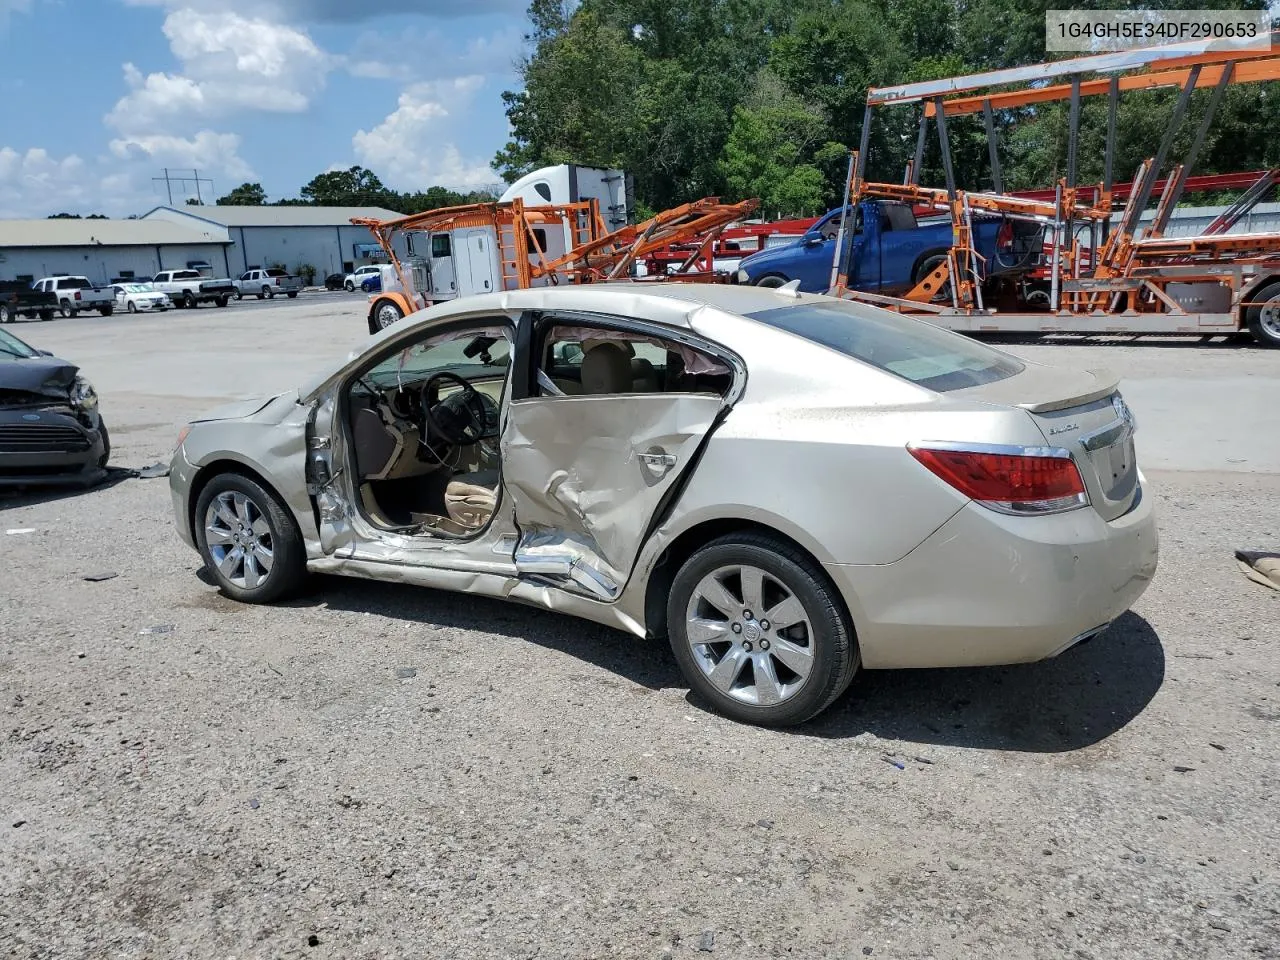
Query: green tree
x=770, y=153
x=352, y=187
x=245, y=195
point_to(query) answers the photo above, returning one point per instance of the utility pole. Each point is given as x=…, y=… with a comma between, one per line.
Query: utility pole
x=170, y=178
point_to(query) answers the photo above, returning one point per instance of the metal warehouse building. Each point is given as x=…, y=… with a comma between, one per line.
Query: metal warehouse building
x=293, y=237
x=105, y=249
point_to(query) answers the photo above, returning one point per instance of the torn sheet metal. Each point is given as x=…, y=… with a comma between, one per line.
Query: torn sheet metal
x=587, y=474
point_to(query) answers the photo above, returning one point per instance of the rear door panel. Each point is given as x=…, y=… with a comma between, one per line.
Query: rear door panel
x=586, y=476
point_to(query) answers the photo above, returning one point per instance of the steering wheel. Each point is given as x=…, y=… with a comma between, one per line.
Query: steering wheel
x=459, y=418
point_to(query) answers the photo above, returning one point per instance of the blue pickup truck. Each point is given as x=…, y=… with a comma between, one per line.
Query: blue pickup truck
x=890, y=251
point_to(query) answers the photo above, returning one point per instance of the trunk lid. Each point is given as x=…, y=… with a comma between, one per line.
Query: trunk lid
x=1082, y=412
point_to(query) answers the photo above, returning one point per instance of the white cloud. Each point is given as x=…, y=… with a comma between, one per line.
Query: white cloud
x=34, y=183
x=229, y=63
x=490, y=54
x=413, y=149
x=206, y=151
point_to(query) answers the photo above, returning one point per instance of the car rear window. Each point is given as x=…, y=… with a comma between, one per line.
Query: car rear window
x=914, y=350
x=276, y=273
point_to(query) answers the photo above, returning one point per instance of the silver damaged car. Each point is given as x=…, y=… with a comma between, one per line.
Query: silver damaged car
x=786, y=486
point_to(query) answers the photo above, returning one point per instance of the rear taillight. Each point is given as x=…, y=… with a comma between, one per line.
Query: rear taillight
x=78, y=297
x=1008, y=479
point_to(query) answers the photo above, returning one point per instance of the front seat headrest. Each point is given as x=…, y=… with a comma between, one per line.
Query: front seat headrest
x=606, y=368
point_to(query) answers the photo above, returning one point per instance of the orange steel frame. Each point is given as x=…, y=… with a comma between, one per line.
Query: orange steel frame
x=1126, y=276
x=596, y=256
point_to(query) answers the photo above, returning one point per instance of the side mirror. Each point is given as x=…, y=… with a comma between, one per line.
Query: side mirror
x=813, y=240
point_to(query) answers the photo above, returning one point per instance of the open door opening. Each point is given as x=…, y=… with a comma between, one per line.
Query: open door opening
x=422, y=427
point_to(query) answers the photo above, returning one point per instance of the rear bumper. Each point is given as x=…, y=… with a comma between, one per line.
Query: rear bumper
x=56, y=449
x=989, y=589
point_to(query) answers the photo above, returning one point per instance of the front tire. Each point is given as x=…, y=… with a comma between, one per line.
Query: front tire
x=130, y=307
x=5, y=315
x=239, y=295
x=349, y=286
x=189, y=300
x=771, y=282
x=249, y=540
x=385, y=313
x=760, y=631
x=1264, y=319
x=106, y=444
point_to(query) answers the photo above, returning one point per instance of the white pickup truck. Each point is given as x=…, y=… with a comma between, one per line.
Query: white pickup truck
x=188, y=288
x=78, y=293
x=267, y=283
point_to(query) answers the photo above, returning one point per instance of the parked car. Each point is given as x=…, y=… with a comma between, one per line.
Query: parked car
x=190, y=288
x=372, y=283
x=51, y=431
x=140, y=297
x=335, y=281
x=355, y=278
x=78, y=293
x=889, y=252
x=787, y=486
x=267, y=283
x=21, y=299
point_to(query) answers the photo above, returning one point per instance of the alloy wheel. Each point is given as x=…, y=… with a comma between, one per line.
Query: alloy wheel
x=239, y=538
x=750, y=635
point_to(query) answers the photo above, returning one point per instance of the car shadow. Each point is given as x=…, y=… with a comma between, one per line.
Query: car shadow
x=32, y=494
x=1059, y=705
x=1074, y=700
x=646, y=662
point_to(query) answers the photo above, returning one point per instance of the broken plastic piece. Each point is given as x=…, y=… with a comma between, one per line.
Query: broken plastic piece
x=1260, y=567
x=158, y=628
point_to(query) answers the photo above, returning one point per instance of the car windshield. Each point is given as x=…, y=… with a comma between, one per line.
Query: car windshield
x=139, y=288
x=914, y=350
x=11, y=346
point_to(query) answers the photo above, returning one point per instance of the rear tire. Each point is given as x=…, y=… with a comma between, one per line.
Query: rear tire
x=293, y=295
x=239, y=295
x=816, y=638
x=280, y=542
x=222, y=301
x=107, y=311
x=349, y=286
x=268, y=293
x=926, y=267
x=64, y=309
x=5, y=315
x=1264, y=319
x=189, y=300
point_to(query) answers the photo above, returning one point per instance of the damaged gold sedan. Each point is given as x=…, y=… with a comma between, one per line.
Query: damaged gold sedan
x=787, y=486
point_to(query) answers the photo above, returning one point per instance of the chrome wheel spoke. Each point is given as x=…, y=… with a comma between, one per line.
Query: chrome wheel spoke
x=217, y=537
x=701, y=630
x=263, y=556
x=224, y=511
x=785, y=614
x=715, y=593
x=797, y=659
x=229, y=562
x=768, y=689
x=727, y=670
x=260, y=527
x=752, y=589
x=241, y=504
x=252, y=575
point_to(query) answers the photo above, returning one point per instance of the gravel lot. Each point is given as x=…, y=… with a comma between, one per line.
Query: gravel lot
x=272, y=782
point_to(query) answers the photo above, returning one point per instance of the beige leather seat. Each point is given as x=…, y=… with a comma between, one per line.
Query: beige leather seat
x=471, y=498
x=606, y=368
